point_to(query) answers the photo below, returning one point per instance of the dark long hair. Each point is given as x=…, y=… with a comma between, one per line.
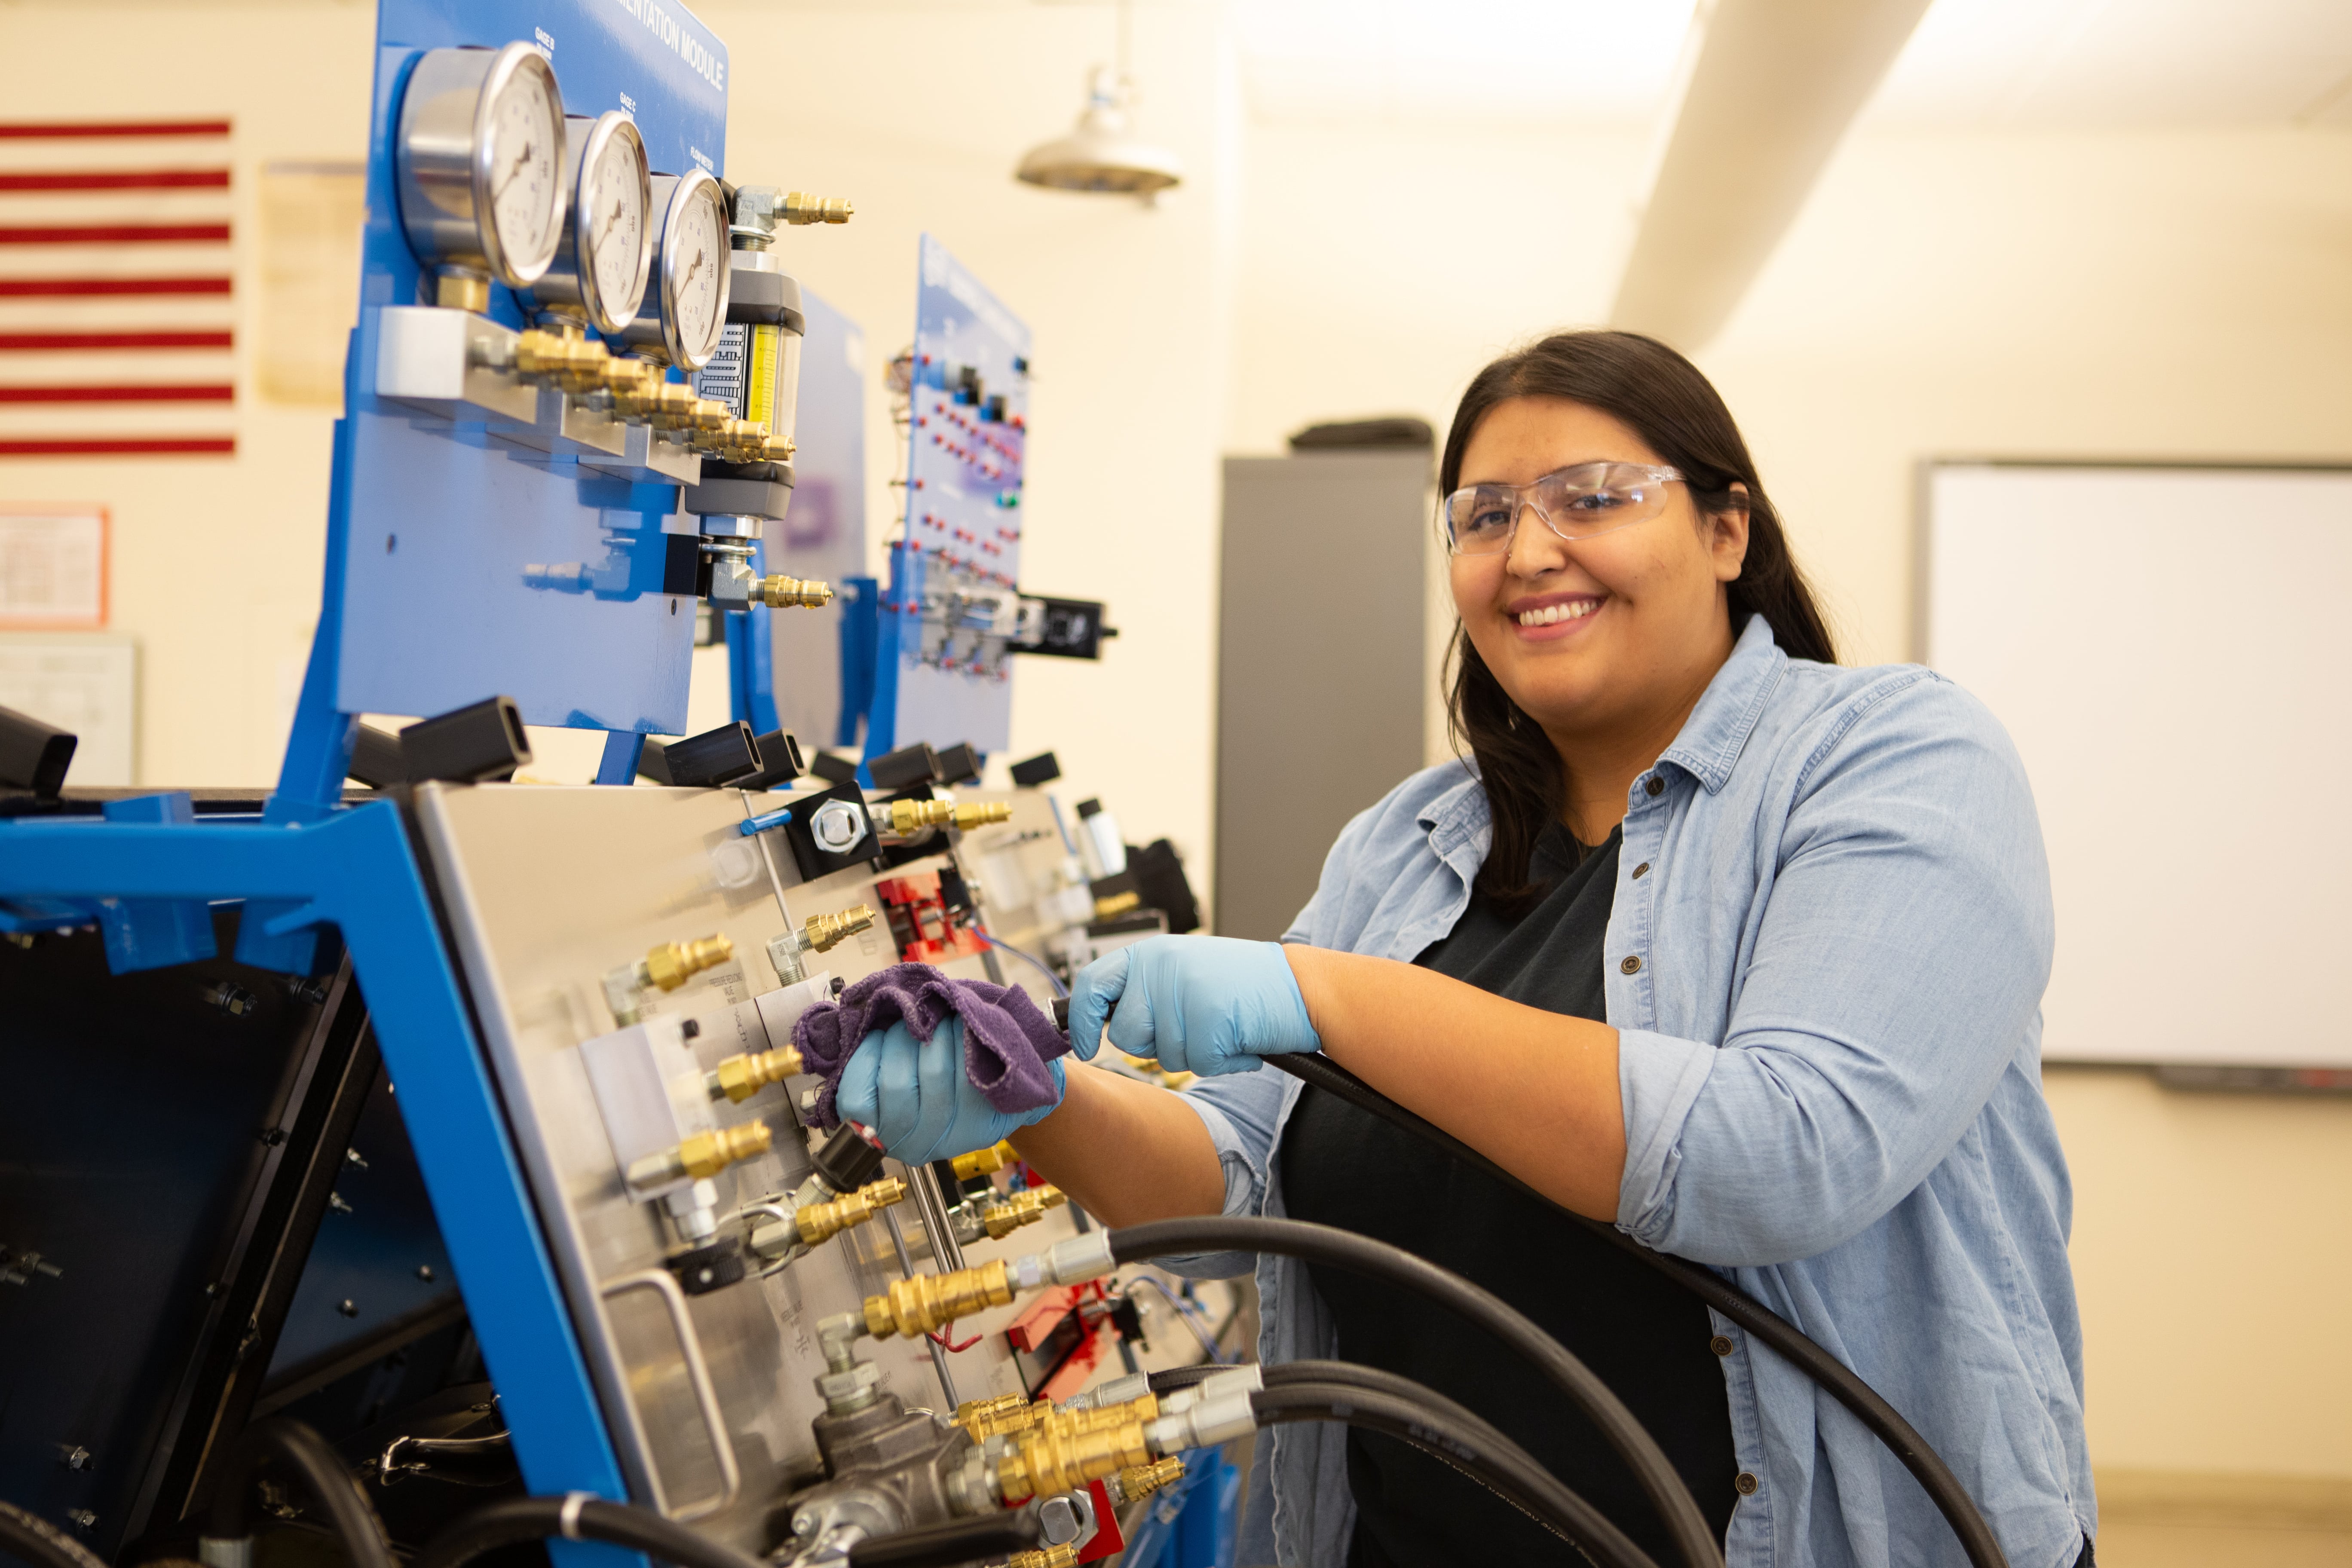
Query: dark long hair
x=1662, y=398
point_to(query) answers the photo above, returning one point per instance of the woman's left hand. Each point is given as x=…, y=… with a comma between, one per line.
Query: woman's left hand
x=1203, y=1004
x=918, y=1099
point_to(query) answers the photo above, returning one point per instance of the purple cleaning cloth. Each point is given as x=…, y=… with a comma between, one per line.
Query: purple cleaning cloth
x=1007, y=1038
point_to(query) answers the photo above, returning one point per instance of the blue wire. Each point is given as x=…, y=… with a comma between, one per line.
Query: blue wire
x=1051, y=978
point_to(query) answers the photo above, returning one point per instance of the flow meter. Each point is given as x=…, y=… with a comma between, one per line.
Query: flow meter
x=480, y=169
x=684, y=309
x=605, y=251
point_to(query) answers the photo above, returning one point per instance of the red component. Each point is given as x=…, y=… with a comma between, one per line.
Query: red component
x=925, y=929
x=18, y=129
x=1106, y=1540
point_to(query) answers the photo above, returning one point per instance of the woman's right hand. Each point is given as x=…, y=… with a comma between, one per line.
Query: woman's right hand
x=1205, y=1005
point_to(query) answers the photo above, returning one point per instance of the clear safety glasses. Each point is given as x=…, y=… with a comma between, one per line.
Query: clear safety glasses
x=1574, y=503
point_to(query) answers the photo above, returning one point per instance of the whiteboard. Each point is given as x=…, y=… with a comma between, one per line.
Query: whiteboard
x=2171, y=650
x=85, y=684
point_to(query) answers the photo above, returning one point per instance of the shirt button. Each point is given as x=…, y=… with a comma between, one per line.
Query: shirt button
x=1655, y=787
x=1632, y=966
x=1746, y=1484
x=1640, y=870
x=1721, y=1344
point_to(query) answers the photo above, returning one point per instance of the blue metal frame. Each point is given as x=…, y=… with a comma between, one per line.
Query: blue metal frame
x=432, y=611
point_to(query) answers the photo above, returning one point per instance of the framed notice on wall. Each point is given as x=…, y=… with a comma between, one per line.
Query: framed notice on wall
x=52, y=567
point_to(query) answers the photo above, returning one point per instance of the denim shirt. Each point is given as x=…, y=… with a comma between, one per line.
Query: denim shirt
x=1830, y=1058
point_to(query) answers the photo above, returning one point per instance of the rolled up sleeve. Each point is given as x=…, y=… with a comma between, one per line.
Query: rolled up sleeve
x=1240, y=1110
x=1894, y=974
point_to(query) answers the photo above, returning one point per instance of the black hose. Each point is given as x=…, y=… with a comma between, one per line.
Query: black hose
x=1175, y=1377
x=300, y=1449
x=1783, y=1337
x=1488, y=1458
x=518, y=1520
x=1694, y=1543
x=987, y=1538
x=26, y=1534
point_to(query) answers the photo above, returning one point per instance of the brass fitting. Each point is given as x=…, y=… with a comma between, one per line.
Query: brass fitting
x=1066, y=1555
x=1052, y=1460
x=672, y=406
x=817, y=1222
x=672, y=963
x=708, y=1153
x=1009, y=1412
x=985, y=1162
x=738, y=1077
x=1145, y=1407
x=825, y=933
x=980, y=814
x=635, y=386
x=904, y=817
x=1142, y=1480
x=800, y=207
x=928, y=1301
x=1116, y=905
x=1021, y=1208
x=454, y=288
x=576, y=361
x=793, y=592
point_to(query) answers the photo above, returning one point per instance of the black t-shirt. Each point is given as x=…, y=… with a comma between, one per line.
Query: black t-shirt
x=1643, y=1336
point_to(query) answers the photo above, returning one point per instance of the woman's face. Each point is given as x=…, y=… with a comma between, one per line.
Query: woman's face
x=1658, y=625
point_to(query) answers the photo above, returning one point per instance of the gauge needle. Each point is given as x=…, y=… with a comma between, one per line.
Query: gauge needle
x=516, y=168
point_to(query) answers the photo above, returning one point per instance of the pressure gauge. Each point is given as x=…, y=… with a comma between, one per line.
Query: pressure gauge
x=479, y=163
x=685, y=304
x=606, y=248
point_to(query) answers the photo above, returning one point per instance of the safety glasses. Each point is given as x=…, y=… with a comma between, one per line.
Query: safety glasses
x=1574, y=503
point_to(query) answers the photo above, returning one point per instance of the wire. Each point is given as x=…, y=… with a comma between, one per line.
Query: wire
x=1186, y=1310
x=1840, y=1381
x=1694, y=1543
x=939, y=1338
x=299, y=1448
x=1470, y=1446
x=987, y=1539
x=26, y=1534
x=1051, y=978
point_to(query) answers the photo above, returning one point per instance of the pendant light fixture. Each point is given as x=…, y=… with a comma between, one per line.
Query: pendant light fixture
x=1102, y=153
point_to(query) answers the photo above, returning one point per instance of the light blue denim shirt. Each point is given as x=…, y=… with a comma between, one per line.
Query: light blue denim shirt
x=1829, y=1054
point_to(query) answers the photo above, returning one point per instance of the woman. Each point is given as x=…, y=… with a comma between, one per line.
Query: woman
x=1718, y=942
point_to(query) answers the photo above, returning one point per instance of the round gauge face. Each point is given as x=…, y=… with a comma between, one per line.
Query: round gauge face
x=524, y=152
x=614, y=194
x=695, y=254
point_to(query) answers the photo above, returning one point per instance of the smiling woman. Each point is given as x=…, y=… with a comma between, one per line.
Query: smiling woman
x=1709, y=938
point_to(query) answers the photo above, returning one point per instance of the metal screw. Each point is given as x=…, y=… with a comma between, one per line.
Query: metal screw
x=335, y=1202
x=351, y=1157
x=74, y=1458
x=232, y=999
x=82, y=1517
x=804, y=1524
x=424, y=1272
x=273, y=1136
x=348, y=1308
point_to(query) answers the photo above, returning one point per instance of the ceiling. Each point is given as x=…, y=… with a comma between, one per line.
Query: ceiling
x=1972, y=64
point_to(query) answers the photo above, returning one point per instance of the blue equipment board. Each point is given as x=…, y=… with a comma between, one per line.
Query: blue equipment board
x=823, y=531
x=435, y=527
x=942, y=672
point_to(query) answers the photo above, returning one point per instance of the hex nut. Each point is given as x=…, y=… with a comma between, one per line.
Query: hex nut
x=837, y=827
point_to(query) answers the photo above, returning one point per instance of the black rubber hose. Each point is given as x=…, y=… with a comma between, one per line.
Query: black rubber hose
x=26, y=1535
x=299, y=1449
x=1175, y=1377
x=985, y=1539
x=1775, y=1331
x=1694, y=1543
x=1538, y=1493
x=518, y=1519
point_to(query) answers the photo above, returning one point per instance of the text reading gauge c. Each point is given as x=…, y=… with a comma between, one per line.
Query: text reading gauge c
x=684, y=306
x=599, y=272
x=478, y=162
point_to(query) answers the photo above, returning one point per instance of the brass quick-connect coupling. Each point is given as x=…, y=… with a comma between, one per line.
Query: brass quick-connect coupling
x=904, y=817
x=1139, y=1481
x=738, y=1077
x=1021, y=1208
x=703, y=1156
x=1066, y=1555
x=986, y=1162
x=793, y=592
x=635, y=386
x=800, y=208
x=1005, y=1415
x=928, y=1301
x=823, y=934
x=575, y=363
x=817, y=1221
x=671, y=405
x=1143, y=1407
x=1050, y=1461
x=672, y=964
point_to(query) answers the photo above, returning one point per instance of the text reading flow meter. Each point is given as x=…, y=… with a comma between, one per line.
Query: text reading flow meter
x=480, y=169
x=755, y=371
x=605, y=252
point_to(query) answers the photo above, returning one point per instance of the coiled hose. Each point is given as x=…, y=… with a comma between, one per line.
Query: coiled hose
x=1782, y=1337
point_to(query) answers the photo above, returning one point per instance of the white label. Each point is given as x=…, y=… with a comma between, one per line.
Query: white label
x=53, y=568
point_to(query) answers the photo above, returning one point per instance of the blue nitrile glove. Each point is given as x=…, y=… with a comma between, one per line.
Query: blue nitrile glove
x=1204, y=1005
x=915, y=1096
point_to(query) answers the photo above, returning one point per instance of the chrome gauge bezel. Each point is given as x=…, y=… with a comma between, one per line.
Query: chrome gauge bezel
x=570, y=286
x=444, y=162
x=655, y=329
